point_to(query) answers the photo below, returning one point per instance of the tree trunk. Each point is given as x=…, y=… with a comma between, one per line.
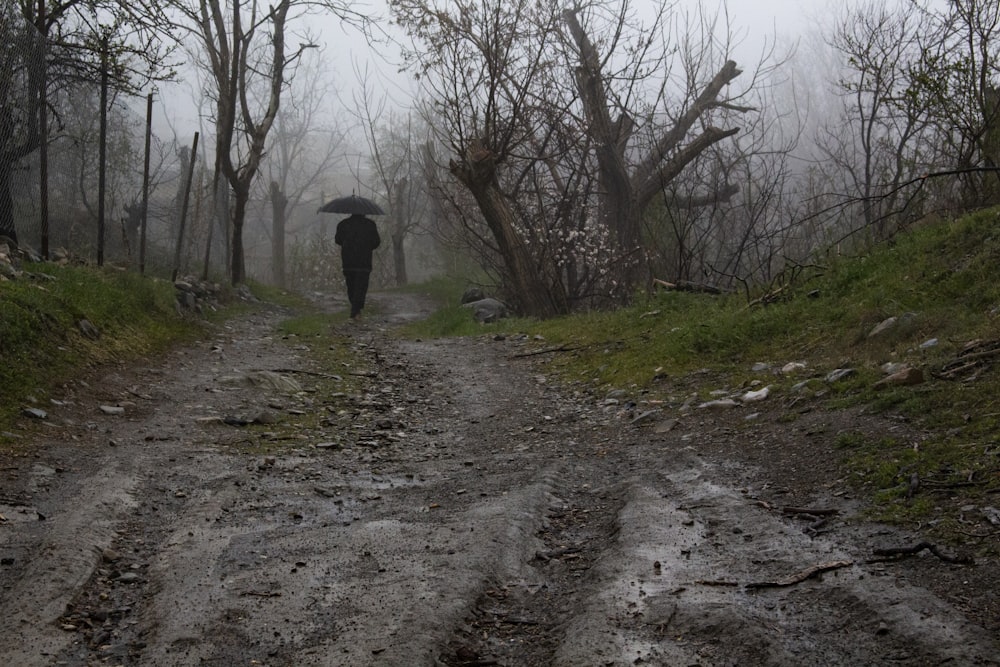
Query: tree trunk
x=627, y=195
x=400, y=214
x=279, y=205
x=6, y=204
x=240, y=199
x=399, y=258
x=539, y=297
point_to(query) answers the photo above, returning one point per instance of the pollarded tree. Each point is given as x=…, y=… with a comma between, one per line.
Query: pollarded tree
x=642, y=145
x=563, y=126
x=482, y=66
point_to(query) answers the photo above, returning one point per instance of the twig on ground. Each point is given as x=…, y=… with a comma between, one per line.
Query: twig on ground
x=896, y=553
x=814, y=511
x=716, y=582
x=557, y=553
x=799, y=577
x=330, y=376
x=545, y=350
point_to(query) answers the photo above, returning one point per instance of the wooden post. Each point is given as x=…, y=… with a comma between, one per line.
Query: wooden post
x=102, y=168
x=145, y=186
x=184, y=206
x=43, y=131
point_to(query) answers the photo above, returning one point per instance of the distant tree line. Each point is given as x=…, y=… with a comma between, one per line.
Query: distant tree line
x=575, y=153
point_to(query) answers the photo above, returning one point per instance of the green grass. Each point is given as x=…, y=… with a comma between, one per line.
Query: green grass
x=944, y=275
x=451, y=318
x=42, y=345
x=343, y=374
x=41, y=340
x=942, y=282
x=278, y=296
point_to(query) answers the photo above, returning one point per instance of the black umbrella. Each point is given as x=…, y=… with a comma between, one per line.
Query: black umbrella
x=351, y=205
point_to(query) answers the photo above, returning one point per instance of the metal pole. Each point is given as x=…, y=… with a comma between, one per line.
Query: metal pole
x=145, y=186
x=184, y=206
x=103, y=152
x=43, y=131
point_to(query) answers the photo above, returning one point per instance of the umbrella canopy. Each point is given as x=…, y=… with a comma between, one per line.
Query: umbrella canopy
x=351, y=205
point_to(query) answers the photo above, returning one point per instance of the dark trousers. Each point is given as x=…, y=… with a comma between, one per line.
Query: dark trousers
x=357, y=288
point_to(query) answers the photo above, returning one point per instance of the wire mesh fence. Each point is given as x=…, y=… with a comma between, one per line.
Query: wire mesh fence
x=83, y=176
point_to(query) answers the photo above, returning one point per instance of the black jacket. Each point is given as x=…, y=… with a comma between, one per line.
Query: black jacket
x=357, y=237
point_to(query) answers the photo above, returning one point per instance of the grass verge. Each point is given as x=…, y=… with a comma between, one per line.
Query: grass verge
x=57, y=320
x=937, y=286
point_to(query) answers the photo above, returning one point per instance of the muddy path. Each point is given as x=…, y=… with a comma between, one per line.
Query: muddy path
x=459, y=509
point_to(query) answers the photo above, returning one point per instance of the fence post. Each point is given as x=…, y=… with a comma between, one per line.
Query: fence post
x=145, y=186
x=103, y=151
x=43, y=131
x=184, y=206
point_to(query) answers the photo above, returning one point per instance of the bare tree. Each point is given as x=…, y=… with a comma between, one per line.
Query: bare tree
x=394, y=145
x=562, y=127
x=305, y=144
x=881, y=139
x=481, y=66
x=632, y=175
x=244, y=45
x=21, y=71
x=959, y=76
x=918, y=86
x=50, y=45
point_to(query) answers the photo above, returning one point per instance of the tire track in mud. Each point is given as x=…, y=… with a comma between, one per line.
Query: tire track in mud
x=496, y=520
x=91, y=544
x=53, y=569
x=384, y=585
x=225, y=556
x=679, y=586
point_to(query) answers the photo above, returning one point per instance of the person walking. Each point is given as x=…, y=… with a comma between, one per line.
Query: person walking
x=357, y=237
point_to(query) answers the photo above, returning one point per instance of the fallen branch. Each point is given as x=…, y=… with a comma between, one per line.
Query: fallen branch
x=979, y=536
x=931, y=484
x=985, y=354
x=688, y=286
x=329, y=376
x=896, y=553
x=971, y=359
x=716, y=582
x=799, y=577
x=545, y=350
x=557, y=553
x=515, y=620
x=814, y=511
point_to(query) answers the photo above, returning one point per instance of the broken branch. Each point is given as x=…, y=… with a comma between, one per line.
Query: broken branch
x=329, y=376
x=815, y=511
x=798, y=577
x=896, y=553
x=716, y=582
x=545, y=350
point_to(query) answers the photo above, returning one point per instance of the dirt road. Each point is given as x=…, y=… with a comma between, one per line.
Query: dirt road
x=460, y=509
